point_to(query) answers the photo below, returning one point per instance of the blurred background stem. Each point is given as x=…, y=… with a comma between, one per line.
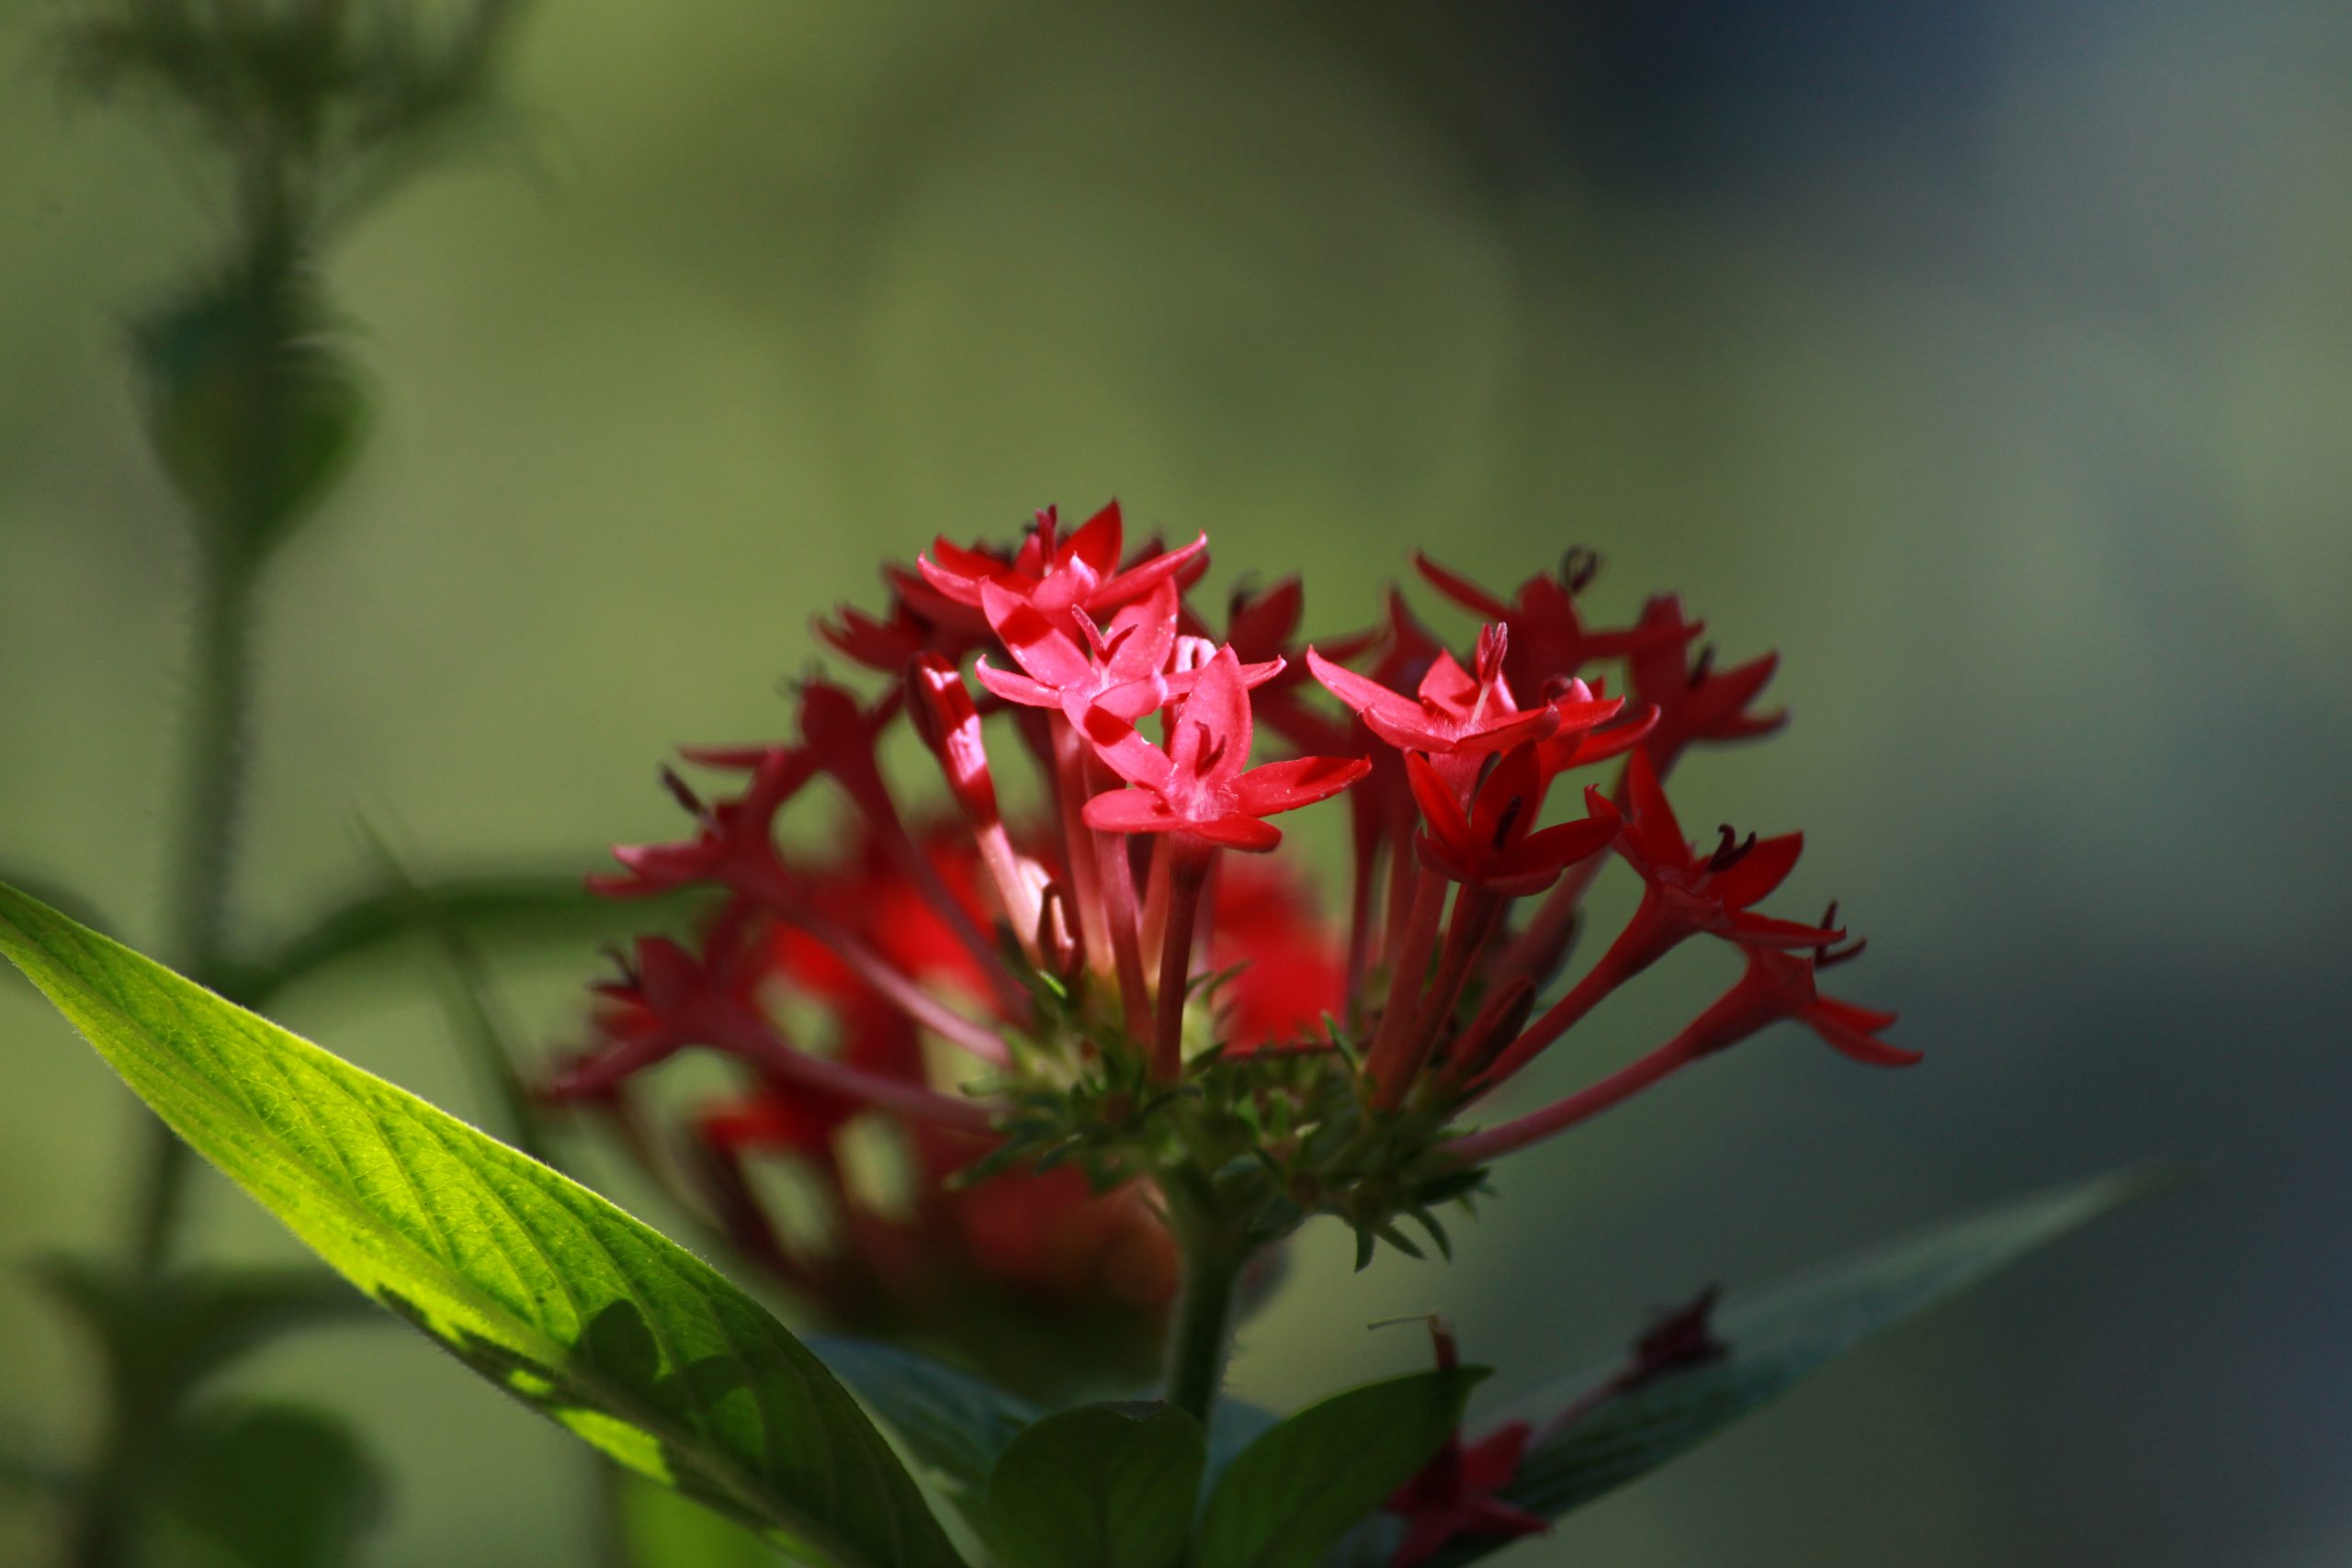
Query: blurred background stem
x=218, y=720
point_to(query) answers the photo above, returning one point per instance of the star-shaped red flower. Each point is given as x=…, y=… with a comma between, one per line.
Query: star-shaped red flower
x=1496, y=844
x=1548, y=639
x=1686, y=893
x=1781, y=985
x=1454, y=711
x=1058, y=574
x=1695, y=701
x=1198, y=787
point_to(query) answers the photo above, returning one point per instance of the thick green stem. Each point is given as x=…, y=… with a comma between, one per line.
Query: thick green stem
x=1202, y=1337
x=220, y=711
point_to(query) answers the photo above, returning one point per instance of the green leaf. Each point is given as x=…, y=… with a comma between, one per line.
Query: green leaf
x=952, y=1421
x=548, y=904
x=659, y=1529
x=536, y=1283
x=1295, y=1492
x=270, y=1486
x=163, y=1335
x=1099, y=1487
x=1234, y=1424
x=1789, y=1332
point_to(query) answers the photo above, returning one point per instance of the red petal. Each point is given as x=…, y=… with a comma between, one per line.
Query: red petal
x=1142, y=579
x=1533, y=725
x=1489, y=1464
x=1460, y=589
x=1362, y=693
x=1238, y=832
x=1040, y=645
x=1301, y=781
x=1213, y=733
x=1439, y=808
x=1853, y=1015
x=1149, y=626
x=1133, y=700
x=1016, y=688
x=1762, y=930
x=1651, y=827
x=1857, y=1044
x=1124, y=752
x=1131, y=811
x=1097, y=544
x=1765, y=866
x=1448, y=684
x=1569, y=842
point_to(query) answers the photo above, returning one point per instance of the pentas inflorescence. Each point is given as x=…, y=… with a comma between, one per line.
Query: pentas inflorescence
x=1122, y=979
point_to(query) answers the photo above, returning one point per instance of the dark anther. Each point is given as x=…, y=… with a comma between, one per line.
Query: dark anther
x=1578, y=567
x=1508, y=820
x=1827, y=955
x=1732, y=851
x=1702, y=666
x=682, y=792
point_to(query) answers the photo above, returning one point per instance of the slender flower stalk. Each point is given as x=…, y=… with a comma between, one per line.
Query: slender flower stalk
x=1188, y=874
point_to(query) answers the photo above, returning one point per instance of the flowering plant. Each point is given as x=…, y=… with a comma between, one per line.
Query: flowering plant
x=1048, y=1084
x=1080, y=963
x=1033, y=1073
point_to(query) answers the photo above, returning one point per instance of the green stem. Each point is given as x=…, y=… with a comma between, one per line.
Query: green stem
x=219, y=711
x=1202, y=1337
x=219, y=714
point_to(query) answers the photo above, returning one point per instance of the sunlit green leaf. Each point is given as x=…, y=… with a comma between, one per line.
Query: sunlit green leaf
x=1099, y=1487
x=1786, y=1334
x=533, y=1281
x=660, y=1529
x=1295, y=1492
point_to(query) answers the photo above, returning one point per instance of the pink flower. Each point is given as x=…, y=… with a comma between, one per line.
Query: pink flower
x=1198, y=787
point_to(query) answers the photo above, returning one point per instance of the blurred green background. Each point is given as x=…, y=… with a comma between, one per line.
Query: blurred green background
x=1991, y=360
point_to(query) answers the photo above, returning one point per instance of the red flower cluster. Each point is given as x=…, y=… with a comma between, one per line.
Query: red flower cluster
x=1042, y=941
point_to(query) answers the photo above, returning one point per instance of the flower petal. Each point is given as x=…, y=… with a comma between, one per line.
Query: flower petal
x=1301, y=781
x=1131, y=811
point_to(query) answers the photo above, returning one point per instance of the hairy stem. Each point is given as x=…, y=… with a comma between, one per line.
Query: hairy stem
x=219, y=717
